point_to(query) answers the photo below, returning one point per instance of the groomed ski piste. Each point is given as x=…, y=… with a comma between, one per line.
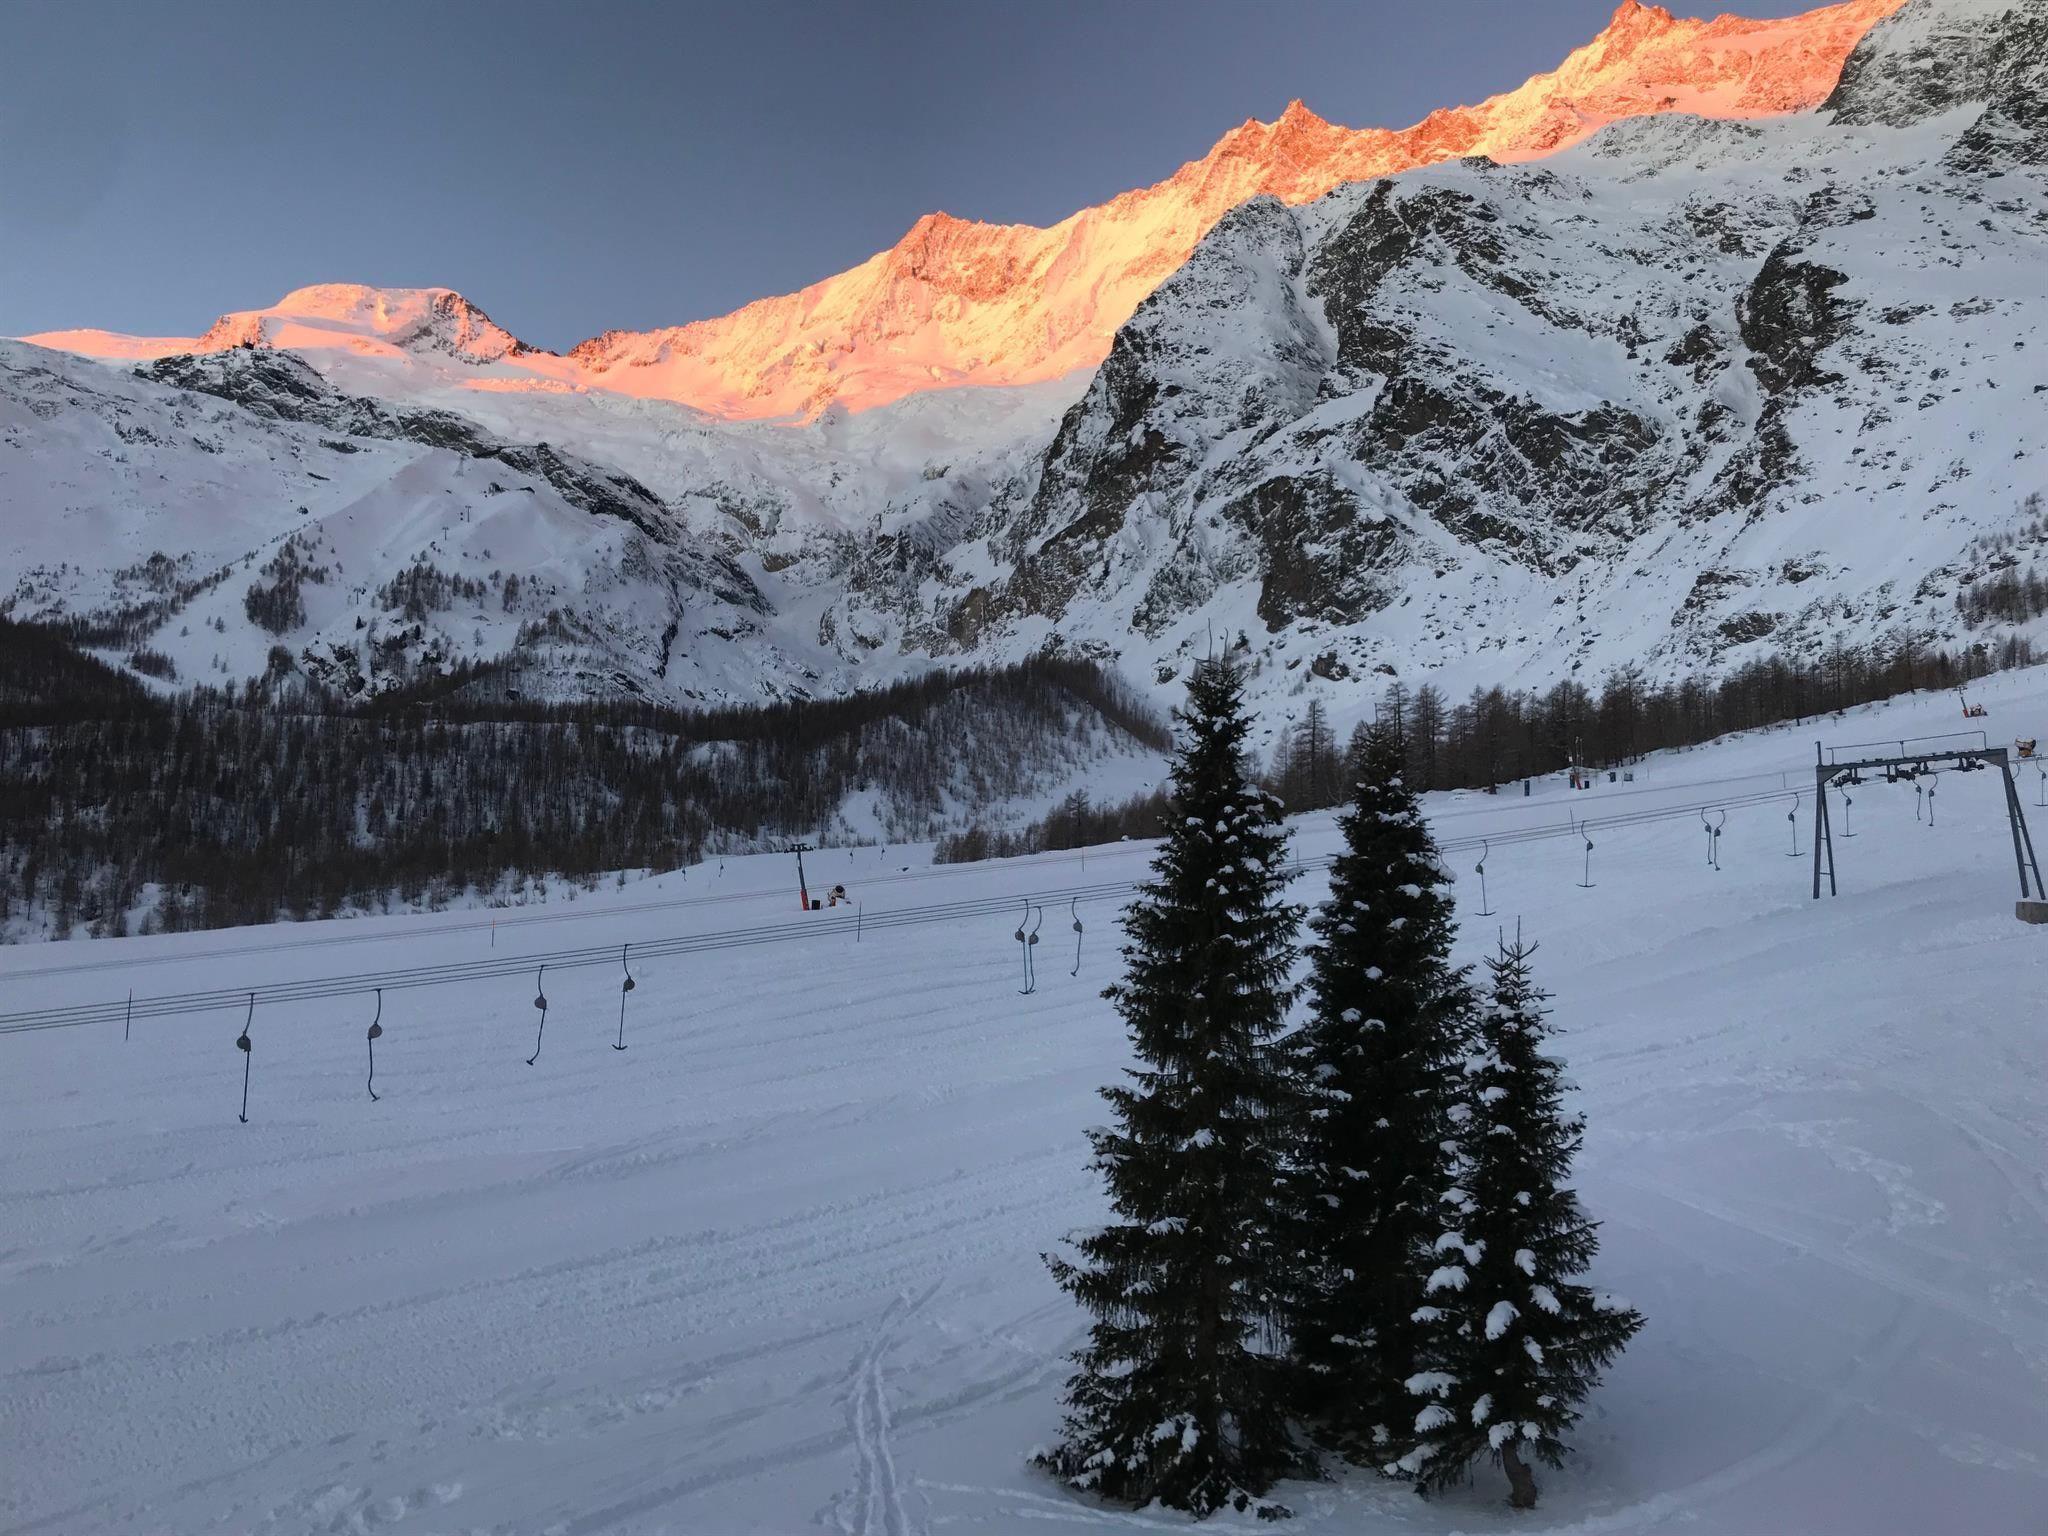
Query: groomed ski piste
x=774, y=1267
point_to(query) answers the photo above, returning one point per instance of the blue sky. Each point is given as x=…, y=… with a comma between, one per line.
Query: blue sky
x=576, y=167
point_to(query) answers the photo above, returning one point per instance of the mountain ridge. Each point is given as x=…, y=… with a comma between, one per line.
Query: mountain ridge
x=1692, y=389
x=959, y=302
x=1693, y=392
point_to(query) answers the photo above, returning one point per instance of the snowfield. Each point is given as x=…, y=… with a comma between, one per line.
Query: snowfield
x=775, y=1266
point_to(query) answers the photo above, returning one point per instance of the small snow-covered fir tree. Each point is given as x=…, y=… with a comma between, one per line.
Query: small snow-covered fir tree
x=1511, y=1342
x=1379, y=1055
x=1180, y=1395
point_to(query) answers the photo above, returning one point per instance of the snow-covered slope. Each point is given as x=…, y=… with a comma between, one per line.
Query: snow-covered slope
x=391, y=543
x=1692, y=389
x=651, y=551
x=1697, y=386
x=774, y=1267
x=956, y=302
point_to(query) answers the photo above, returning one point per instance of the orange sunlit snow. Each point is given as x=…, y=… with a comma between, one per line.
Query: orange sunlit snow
x=955, y=302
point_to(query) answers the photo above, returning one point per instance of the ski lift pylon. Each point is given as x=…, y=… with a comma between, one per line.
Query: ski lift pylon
x=1026, y=940
x=540, y=1001
x=376, y=1029
x=624, y=987
x=248, y=1055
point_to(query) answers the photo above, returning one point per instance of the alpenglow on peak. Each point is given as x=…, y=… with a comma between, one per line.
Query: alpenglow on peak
x=956, y=302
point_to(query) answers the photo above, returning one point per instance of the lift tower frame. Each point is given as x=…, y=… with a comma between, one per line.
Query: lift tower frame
x=1910, y=765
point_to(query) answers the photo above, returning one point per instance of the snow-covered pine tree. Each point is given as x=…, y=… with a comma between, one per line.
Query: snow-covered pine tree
x=1511, y=1343
x=1379, y=1054
x=1180, y=1395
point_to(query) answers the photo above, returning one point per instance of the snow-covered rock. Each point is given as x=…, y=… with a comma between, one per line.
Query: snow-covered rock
x=1690, y=391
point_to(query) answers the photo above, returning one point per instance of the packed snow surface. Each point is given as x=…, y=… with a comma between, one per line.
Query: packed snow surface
x=775, y=1266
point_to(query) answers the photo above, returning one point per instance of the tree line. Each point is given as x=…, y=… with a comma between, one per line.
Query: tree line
x=1998, y=591
x=1497, y=735
x=122, y=808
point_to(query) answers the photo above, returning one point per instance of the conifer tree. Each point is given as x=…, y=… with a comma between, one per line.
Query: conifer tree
x=1180, y=1394
x=1379, y=1054
x=1512, y=1343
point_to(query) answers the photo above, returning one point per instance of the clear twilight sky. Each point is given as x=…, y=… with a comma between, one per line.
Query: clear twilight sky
x=574, y=167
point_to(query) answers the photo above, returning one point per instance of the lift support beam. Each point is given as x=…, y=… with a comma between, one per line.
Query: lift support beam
x=1912, y=765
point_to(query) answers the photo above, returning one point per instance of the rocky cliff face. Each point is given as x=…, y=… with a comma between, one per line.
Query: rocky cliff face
x=1692, y=388
x=1932, y=57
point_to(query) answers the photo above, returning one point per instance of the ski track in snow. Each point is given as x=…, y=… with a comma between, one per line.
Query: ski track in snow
x=879, y=1507
x=775, y=1268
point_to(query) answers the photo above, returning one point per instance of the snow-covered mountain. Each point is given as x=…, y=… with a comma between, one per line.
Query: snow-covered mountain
x=213, y=507
x=607, y=546
x=1752, y=356
x=388, y=324
x=959, y=302
x=1690, y=389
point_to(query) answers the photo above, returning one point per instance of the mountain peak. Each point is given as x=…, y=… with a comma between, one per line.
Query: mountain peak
x=1633, y=14
x=961, y=302
x=359, y=317
x=328, y=318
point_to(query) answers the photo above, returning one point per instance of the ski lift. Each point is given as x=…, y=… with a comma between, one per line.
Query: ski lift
x=248, y=1055
x=376, y=1029
x=1025, y=941
x=1847, y=801
x=1479, y=869
x=540, y=1001
x=1581, y=829
x=1023, y=947
x=1792, y=816
x=624, y=987
x=1074, y=911
x=1933, y=779
x=1714, y=837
